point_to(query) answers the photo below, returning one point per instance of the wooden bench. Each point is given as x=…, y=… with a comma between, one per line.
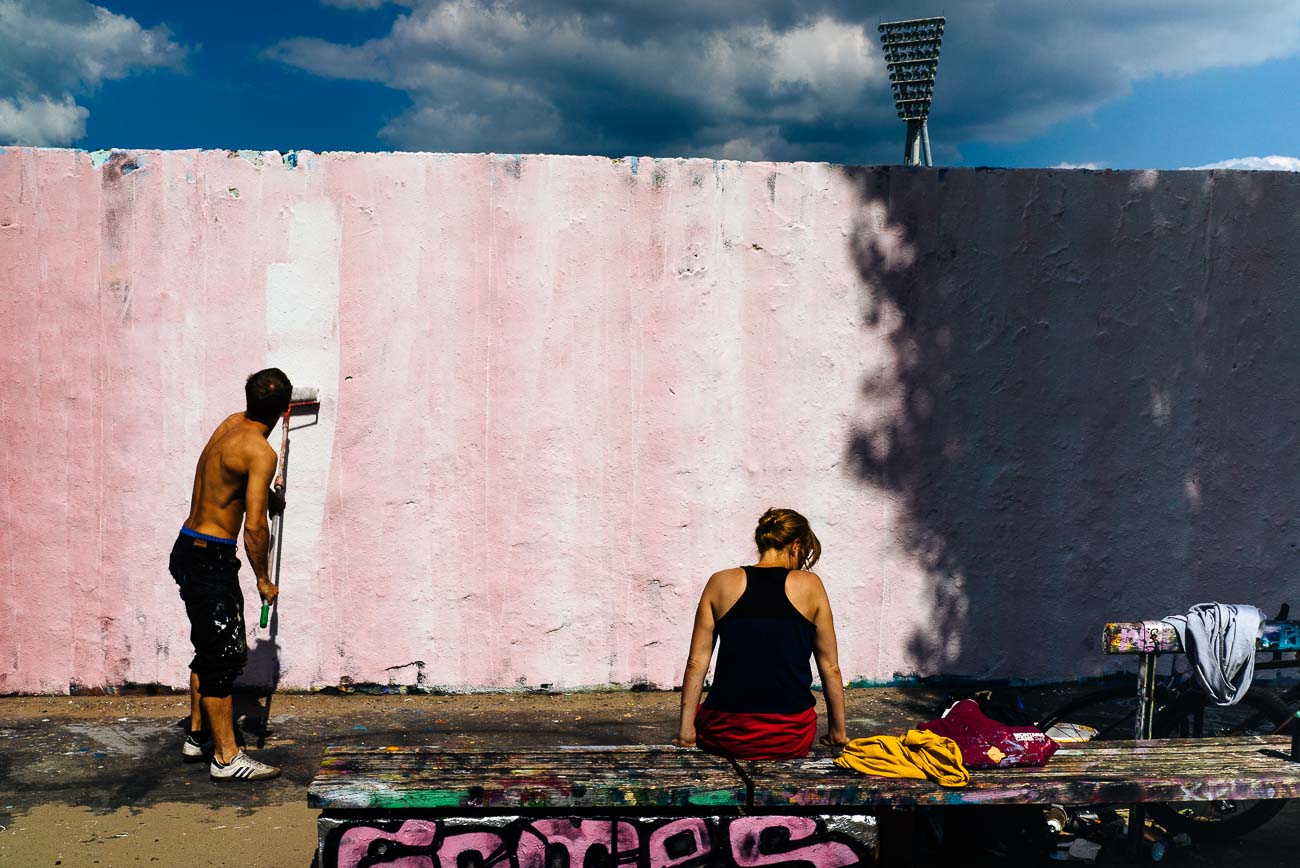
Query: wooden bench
x=1148, y=640
x=648, y=806
x=1105, y=772
x=659, y=806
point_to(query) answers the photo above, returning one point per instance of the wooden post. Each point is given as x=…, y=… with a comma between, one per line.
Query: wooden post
x=1146, y=707
x=1144, y=726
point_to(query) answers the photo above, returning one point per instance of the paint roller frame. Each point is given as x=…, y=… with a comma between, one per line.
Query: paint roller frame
x=304, y=400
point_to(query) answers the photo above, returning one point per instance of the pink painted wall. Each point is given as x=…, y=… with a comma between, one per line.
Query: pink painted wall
x=558, y=392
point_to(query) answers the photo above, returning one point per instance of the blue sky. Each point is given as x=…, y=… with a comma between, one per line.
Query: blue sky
x=1106, y=83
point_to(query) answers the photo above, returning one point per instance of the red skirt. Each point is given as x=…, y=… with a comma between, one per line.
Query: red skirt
x=756, y=736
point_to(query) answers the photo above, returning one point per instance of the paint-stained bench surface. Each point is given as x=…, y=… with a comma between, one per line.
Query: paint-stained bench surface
x=1171, y=770
x=1157, y=637
x=587, y=777
x=623, y=778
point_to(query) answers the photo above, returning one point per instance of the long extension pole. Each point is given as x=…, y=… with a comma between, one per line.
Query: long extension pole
x=300, y=398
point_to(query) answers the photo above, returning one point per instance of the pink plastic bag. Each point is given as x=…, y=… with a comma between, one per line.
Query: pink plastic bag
x=987, y=744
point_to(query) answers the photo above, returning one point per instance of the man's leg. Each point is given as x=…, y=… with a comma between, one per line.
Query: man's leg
x=219, y=712
x=196, y=710
x=181, y=564
x=192, y=746
x=225, y=661
x=215, y=606
x=229, y=763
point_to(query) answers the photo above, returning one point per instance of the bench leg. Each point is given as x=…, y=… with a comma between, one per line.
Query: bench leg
x=1143, y=729
x=1137, y=827
x=896, y=837
x=1146, y=697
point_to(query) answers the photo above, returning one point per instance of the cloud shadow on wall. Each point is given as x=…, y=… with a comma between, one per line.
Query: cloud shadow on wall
x=1098, y=419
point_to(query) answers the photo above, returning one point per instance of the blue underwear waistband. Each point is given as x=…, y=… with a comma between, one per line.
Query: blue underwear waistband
x=216, y=539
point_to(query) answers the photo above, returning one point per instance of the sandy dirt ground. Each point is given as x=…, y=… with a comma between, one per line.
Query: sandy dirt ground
x=98, y=780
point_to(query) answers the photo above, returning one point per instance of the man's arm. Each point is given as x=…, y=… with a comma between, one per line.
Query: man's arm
x=257, y=533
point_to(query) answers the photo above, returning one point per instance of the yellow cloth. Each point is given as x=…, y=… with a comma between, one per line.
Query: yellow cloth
x=918, y=754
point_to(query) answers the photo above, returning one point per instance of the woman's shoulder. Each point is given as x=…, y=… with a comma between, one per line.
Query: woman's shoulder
x=804, y=587
x=724, y=589
x=805, y=577
x=728, y=576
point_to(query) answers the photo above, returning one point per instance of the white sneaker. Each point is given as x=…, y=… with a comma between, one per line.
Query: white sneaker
x=242, y=768
x=191, y=749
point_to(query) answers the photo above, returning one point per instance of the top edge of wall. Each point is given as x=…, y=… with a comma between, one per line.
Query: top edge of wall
x=290, y=159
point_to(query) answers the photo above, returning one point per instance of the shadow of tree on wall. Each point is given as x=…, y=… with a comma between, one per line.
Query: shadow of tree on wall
x=1095, y=386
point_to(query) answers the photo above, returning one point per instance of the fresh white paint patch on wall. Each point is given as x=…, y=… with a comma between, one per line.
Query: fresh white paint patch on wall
x=302, y=328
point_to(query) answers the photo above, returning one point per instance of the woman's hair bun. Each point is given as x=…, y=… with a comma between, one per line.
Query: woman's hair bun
x=778, y=528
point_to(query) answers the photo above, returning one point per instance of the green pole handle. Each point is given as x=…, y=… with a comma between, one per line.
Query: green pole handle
x=266, y=613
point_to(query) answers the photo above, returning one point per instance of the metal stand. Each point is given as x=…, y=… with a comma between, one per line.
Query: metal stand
x=916, y=152
x=1143, y=727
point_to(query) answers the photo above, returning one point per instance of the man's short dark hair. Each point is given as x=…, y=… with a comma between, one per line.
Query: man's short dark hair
x=268, y=392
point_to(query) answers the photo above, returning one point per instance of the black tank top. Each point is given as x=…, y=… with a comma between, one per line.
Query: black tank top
x=763, y=648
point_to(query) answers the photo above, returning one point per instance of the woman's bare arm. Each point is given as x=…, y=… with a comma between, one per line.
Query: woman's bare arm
x=826, y=653
x=697, y=665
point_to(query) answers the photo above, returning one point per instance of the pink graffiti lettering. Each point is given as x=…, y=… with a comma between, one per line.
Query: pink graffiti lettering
x=685, y=842
x=360, y=842
x=579, y=836
x=668, y=838
x=490, y=847
x=748, y=838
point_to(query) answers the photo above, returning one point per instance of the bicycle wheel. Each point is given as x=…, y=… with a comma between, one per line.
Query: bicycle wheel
x=1110, y=711
x=1259, y=712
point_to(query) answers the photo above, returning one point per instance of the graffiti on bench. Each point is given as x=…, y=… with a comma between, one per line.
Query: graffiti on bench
x=1280, y=636
x=1157, y=637
x=527, y=842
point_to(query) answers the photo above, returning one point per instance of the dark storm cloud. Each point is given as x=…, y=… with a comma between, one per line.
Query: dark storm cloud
x=778, y=79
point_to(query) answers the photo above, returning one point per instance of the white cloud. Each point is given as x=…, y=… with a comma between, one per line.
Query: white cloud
x=834, y=59
x=54, y=50
x=524, y=77
x=42, y=121
x=784, y=79
x=1259, y=164
x=1092, y=166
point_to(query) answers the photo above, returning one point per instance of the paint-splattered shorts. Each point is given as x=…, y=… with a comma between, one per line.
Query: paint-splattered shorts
x=208, y=575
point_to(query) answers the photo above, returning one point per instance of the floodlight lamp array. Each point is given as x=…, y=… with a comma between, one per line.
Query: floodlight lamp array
x=911, y=51
x=914, y=91
x=915, y=30
x=903, y=72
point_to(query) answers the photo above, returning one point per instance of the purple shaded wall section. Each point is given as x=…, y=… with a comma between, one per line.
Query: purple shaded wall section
x=558, y=392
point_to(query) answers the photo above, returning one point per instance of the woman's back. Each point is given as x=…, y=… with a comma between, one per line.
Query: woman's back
x=767, y=621
x=765, y=645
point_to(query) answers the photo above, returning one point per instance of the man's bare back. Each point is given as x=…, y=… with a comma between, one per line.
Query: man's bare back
x=231, y=485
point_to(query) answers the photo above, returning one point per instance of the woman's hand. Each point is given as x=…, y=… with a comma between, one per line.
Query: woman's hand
x=685, y=738
x=835, y=739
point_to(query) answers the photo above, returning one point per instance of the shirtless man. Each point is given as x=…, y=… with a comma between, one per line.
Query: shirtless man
x=231, y=487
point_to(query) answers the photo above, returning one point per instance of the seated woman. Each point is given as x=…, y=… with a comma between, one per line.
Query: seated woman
x=769, y=619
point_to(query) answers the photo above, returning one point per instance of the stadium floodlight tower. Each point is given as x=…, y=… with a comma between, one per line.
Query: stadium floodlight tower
x=912, y=58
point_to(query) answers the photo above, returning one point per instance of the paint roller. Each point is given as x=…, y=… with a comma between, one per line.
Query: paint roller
x=302, y=398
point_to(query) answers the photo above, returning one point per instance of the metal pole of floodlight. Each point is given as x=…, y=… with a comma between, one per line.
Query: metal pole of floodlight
x=912, y=57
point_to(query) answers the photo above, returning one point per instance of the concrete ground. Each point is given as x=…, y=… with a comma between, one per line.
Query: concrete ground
x=99, y=781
